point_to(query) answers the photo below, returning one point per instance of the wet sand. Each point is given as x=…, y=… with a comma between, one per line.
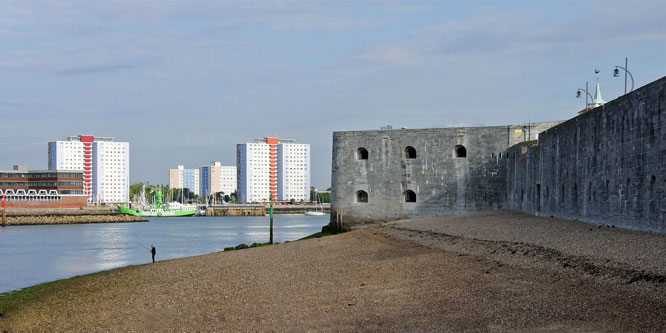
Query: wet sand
x=499, y=271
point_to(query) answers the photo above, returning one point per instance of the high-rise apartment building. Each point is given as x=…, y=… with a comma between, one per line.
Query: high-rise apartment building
x=184, y=178
x=218, y=178
x=271, y=166
x=104, y=162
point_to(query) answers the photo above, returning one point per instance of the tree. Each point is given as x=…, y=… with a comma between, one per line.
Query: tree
x=325, y=197
x=219, y=197
x=135, y=191
x=315, y=195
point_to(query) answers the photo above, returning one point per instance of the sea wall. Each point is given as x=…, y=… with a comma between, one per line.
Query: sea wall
x=236, y=210
x=299, y=209
x=70, y=219
x=606, y=166
x=385, y=175
x=261, y=210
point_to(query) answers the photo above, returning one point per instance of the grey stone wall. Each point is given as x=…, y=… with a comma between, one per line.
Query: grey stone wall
x=442, y=182
x=606, y=166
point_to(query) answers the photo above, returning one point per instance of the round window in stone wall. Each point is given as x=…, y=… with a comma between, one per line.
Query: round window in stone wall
x=410, y=196
x=410, y=152
x=361, y=154
x=461, y=151
x=361, y=196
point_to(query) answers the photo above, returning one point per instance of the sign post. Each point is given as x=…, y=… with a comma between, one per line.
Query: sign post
x=339, y=219
x=271, y=240
x=4, y=218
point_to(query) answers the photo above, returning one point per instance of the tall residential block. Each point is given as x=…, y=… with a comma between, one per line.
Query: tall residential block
x=271, y=166
x=184, y=178
x=104, y=162
x=218, y=178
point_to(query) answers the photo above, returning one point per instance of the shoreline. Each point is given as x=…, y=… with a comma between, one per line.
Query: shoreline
x=501, y=271
x=234, y=248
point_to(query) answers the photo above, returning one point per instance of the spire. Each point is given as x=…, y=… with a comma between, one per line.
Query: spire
x=597, y=94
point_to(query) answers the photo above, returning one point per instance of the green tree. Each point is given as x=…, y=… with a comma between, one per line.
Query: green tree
x=135, y=191
x=315, y=195
x=325, y=197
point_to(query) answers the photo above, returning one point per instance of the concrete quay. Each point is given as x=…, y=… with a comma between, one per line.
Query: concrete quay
x=261, y=210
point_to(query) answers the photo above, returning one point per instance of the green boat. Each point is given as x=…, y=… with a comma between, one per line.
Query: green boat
x=160, y=209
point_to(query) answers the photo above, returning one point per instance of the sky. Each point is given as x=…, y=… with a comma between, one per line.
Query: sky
x=185, y=81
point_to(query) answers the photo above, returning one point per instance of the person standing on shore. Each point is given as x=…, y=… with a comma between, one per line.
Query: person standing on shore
x=153, y=251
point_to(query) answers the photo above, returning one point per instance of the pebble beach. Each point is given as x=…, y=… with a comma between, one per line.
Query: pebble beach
x=495, y=271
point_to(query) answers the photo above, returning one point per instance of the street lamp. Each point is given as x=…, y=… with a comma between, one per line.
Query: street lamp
x=616, y=73
x=587, y=94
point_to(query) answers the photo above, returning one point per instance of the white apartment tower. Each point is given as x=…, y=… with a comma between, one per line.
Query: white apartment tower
x=271, y=166
x=218, y=178
x=184, y=178
x=104, y=162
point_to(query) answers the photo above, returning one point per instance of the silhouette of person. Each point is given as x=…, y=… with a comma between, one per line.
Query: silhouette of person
x=153, y=251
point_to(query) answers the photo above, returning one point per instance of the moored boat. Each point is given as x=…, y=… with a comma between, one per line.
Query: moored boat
x=160, y=209
x=319, y=209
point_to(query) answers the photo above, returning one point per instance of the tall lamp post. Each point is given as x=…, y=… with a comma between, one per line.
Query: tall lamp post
x=616, y=73
x=271, y=231
x=587, y=94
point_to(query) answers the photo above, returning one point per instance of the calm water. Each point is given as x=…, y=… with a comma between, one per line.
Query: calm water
x=31, y=255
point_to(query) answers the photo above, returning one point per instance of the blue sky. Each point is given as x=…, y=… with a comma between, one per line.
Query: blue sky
x=185, y=81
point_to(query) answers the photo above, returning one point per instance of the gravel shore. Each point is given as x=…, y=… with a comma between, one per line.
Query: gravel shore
x=498, y=271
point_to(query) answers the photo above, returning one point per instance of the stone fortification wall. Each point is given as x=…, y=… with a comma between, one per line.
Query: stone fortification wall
x=606, y=166
x=443, y=178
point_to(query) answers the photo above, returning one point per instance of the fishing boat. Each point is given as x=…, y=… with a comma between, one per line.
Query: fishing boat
x=319, y=209
x=160, y=209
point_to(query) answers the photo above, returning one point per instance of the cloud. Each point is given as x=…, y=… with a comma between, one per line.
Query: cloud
x=502, y=33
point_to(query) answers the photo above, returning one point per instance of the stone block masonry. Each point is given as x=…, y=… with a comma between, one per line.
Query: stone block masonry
x=386, y=175
x=606, y=166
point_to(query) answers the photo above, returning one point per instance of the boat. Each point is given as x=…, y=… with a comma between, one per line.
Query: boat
x=201, y=210
x=160, y=209
x=319, y=209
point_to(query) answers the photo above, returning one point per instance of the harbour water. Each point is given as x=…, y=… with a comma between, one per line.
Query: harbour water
x=31, y=255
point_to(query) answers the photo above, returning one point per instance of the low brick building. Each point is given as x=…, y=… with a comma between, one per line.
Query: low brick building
x=34, y=189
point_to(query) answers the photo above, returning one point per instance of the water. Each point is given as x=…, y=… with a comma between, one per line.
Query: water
x=30, y=255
